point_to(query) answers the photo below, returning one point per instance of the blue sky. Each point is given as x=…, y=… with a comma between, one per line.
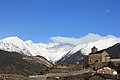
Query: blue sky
x=38, y=20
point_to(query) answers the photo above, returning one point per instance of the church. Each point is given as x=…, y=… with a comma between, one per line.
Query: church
x=98, y=56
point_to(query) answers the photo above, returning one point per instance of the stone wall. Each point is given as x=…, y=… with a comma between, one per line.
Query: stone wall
x=105, y=57
x=94, y=58
x=12, y=77
x=98, y=57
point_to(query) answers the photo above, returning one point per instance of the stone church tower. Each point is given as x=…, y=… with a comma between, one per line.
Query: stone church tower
x=94, y=49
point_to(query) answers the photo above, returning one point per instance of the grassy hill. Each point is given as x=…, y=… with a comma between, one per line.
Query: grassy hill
x=12, y=63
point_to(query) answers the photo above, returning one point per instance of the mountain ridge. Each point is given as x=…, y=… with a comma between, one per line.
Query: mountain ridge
x=53, y=51
x=78, y=52
x=50, y=51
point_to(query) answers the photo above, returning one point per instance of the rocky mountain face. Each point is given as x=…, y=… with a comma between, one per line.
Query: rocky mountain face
x=74, y=58
x=38, y=60
x=114, y=51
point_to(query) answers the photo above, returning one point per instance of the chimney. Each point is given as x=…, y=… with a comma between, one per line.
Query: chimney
x=94, y=49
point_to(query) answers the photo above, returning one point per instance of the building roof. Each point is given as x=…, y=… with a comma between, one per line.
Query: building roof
x=106, y=76
x=98, y=52
x=94, y=47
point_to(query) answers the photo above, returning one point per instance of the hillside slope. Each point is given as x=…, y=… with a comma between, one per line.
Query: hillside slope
x=13, y=63
x=114, y=51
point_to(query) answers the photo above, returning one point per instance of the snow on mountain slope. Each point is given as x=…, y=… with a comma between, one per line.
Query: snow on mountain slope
x=13, y=44
x=51, y=51
x=100, y=44
x=79, y=52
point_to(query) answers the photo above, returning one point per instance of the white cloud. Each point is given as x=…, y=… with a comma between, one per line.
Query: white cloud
x=77, y=41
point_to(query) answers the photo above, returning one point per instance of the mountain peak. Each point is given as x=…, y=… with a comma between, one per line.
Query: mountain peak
x=11, y=38
x=15, y=41
x=52, y=51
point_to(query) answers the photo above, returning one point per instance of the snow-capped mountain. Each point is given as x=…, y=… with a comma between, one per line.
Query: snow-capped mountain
x=78, y=52
x=100, y=44
x=51, y=51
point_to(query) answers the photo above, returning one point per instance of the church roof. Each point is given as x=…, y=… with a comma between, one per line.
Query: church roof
x=94, y=47
x=98, y=52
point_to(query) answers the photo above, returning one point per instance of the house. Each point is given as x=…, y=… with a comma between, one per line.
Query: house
x=103, y=77
x=98, y=56
x=107, y=70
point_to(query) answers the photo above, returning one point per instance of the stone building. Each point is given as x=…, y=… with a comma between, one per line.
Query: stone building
x=107, y=70
x=98, y=56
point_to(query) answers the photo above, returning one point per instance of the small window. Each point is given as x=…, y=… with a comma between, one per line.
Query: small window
x=96, y=60
x=89, y=60
x=106, y=55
